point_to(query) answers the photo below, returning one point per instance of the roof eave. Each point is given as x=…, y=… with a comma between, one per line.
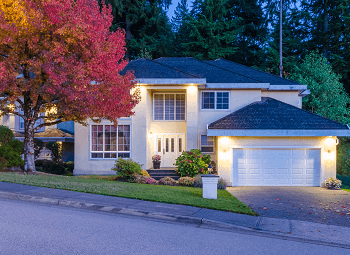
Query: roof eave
x=278, y=132
x=166, y=81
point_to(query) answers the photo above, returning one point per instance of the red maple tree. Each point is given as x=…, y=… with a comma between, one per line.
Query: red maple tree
x=59, y=61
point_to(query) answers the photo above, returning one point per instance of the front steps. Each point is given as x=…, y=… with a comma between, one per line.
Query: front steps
x=158, y=174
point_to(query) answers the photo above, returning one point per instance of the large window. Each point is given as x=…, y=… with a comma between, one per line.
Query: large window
x=108, y=141
x=207, y=144
x=216, y=100
x=169, y=106
x=21, y=121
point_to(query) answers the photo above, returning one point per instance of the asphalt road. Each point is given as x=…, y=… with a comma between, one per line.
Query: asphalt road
x=39, y=229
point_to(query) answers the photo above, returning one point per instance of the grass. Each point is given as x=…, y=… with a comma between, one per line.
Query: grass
x=104, y=186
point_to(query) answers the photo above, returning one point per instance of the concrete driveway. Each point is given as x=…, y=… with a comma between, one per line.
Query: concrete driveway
x=312, y=204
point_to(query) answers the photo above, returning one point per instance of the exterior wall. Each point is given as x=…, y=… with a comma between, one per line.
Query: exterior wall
x=328, y=160
x=289, y=97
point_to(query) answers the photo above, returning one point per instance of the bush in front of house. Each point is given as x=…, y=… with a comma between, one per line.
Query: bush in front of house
x=186, y=181
x=145, y=173
x=126, y=168
x=222, y=183
x=197, y=181
x=190, y=163
x=56, y=150
x=50, y=167
x=10, y=150
x=167, y=181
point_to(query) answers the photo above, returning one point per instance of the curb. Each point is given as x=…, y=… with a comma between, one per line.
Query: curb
x=167, y=217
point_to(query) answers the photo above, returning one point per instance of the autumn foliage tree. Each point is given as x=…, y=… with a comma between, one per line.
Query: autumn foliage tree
x=59, y=61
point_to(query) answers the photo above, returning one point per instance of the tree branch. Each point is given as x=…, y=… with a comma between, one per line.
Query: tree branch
x=47, y=124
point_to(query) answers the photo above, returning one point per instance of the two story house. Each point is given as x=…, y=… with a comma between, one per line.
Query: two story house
x=250, y=122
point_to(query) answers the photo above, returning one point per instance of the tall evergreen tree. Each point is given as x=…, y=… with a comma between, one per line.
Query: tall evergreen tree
x=180, y=26
x=212, y=33
x=147, y=27
x=328, y=23
x=253, y=34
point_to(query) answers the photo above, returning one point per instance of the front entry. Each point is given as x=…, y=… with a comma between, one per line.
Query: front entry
x=169, y=147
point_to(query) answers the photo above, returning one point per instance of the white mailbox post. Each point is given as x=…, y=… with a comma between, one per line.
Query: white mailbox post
x=210, y=186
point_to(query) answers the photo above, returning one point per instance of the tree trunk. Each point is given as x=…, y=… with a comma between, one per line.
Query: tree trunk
x=29, y=147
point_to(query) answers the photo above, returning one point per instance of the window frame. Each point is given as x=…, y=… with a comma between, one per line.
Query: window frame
x=215, y=100
x=104, y=151
x=207, y=146
x=171, y=93
x=21, y=120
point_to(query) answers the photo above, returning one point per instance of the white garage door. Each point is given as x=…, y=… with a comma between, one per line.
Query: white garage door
x=276, y=167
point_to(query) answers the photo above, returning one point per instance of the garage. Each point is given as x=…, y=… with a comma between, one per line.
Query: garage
x=275, y=167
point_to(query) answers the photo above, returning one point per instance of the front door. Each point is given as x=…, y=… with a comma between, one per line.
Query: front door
x=169, y=147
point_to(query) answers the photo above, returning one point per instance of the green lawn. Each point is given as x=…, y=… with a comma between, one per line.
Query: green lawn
x=103, y=186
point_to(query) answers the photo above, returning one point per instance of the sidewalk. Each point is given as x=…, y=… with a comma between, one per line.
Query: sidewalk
x=327, y=234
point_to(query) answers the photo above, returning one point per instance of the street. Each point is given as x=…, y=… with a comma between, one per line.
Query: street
x=40, y=229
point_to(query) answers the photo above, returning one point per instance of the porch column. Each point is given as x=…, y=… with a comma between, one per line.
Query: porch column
x=192, y=117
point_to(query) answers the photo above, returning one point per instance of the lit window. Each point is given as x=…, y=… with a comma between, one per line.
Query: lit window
x=207, y=144
x=108, y=141
x=215, y=100
x=169, y=106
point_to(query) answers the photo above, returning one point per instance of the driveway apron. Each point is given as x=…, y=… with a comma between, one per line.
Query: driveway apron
x=314, y=204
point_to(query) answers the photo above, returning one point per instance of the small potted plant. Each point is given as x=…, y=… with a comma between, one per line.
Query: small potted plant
x=156, y=161
x=333, y=183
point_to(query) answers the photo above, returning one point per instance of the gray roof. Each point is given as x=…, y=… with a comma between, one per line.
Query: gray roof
x=251, y=72
x=214, y=71
x=146, y=68
x=270, y=113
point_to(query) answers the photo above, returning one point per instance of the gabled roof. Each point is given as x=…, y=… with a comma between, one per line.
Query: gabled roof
x=146, y=68
x=273, y=114
x=201, y=69
x=251, y=72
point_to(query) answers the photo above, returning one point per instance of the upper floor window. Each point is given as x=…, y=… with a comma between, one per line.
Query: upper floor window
x=169, y=106
x=216, y=100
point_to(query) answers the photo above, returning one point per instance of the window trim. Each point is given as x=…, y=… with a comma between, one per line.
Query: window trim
x=117, y=151
x=163, y=93
x=215, y=100
x=207, y=146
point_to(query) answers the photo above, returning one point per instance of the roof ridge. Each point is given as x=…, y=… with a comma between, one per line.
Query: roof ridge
x=228, y=70
x=315, y=114
x=153, y=60
x=276, y=76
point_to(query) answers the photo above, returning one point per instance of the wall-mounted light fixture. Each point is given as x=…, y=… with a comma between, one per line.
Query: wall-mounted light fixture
x=150, y=135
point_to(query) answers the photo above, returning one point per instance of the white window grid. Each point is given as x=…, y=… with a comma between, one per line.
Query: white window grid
x=119, y=142
x=169, y=106
x=207, y=142
x=216, y=103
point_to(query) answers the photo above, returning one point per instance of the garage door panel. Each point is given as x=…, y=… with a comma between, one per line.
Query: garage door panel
x=269, y=171
x=276, y=167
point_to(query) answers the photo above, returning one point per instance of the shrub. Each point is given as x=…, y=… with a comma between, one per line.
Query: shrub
x=50, y=167
x=126, y=168
x=11, y=154
x=190, y=163
x=186, y=181
x=344, y=179
x=330, y=182
x=56, y=149
x=197, y=181
x=6, y=135
x=222, y=183
x=145, y=173
x=150, y=180
x=139, y=179
x=38, y=146
x=69, y=166
x=167, y=181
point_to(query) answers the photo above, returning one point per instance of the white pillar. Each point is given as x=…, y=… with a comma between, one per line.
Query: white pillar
x=210, y=186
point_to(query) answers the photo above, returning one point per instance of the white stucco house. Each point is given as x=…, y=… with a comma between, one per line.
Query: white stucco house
x=250, y=122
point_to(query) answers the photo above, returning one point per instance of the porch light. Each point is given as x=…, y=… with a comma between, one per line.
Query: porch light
x=210, y=168
x=150, y=135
